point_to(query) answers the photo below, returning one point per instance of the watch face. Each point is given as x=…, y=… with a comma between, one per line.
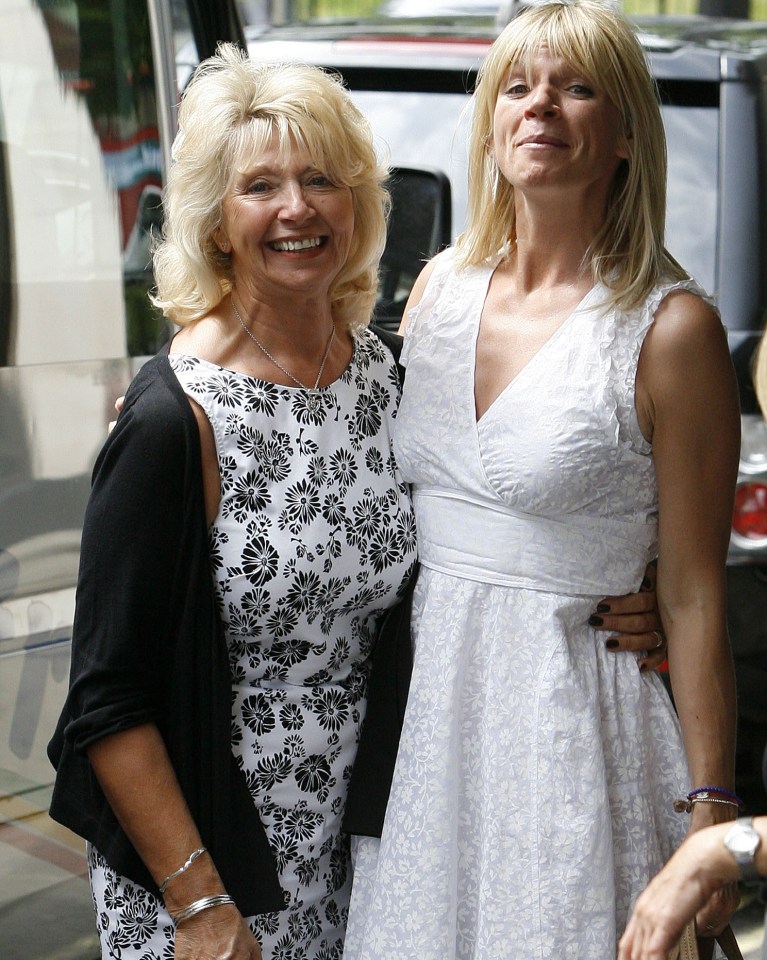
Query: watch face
x=743, y=840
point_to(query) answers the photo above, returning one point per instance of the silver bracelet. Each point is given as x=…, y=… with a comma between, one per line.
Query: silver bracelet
x=686, y=805
x=197, y=906
x=184, y=866
x=728, y=803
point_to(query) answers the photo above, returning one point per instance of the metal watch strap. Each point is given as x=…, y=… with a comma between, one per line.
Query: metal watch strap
x=744, y=853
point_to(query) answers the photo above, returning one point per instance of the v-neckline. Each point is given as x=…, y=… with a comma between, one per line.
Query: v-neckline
x=531, y=362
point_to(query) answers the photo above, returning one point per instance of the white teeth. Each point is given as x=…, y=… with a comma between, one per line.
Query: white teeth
x=297, y=244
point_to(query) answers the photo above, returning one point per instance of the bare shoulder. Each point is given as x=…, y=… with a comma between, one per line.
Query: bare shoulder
x=685, y=321
x=205, y=338
x=686, y=341
x=684, y=365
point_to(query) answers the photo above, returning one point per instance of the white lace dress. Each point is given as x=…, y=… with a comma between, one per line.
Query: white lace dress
x=315, y=536
x=532, y=797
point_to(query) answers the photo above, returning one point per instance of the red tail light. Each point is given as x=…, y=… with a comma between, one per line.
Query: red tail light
x=749, y=518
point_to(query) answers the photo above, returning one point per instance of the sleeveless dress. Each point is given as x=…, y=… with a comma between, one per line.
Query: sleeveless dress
x=533, y=790
x=314, y=538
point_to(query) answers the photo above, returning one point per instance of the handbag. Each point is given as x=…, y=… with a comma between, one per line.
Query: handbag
x=692, y=947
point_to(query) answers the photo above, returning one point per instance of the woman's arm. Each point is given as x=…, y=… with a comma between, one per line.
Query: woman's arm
x=137, y=502
x=700, y=867
x=687, y=404
x=137, y=778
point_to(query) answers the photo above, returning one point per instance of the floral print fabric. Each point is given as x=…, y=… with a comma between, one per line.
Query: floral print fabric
x=314, y=538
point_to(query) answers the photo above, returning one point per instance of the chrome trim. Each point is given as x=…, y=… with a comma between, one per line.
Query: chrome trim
x=164, y=56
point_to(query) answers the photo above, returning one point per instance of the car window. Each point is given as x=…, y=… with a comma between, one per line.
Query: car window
x=82, y=179
x=692, y=135
x=423, y=130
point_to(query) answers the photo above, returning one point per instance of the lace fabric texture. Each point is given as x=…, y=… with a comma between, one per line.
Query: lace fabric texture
x=532, y=798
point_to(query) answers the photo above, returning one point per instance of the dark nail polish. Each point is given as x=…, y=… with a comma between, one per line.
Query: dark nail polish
x=611, y=644
x=595, y=621
x=643, y=668
x=603, y=608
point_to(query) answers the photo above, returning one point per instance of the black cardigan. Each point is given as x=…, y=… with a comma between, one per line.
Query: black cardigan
x=162, y=659
x=148, y=647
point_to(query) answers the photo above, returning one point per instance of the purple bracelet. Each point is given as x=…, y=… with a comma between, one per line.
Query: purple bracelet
x=724, y=793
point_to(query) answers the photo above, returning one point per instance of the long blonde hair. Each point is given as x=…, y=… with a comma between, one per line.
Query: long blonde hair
x=230, y=110
x=628, y=254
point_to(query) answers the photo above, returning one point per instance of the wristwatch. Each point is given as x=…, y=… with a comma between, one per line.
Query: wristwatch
x=743, y=841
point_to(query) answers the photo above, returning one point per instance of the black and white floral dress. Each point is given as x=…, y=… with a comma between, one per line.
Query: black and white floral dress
x=314, y=538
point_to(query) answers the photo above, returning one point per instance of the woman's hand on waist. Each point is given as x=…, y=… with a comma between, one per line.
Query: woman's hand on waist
x=632, y=624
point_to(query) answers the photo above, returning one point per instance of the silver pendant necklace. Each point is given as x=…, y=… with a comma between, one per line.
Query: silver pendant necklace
x=313, y=399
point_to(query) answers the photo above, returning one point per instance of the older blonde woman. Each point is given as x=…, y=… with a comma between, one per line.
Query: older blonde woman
x=212, y=721
x=569, y=409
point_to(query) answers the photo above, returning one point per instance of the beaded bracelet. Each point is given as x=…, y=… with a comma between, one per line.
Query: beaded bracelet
x=184, y=866
x=197, y=906
x=719, y=790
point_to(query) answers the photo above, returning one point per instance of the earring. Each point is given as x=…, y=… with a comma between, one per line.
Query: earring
x=221, y=240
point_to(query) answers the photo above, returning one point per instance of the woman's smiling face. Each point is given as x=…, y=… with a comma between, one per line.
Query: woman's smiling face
x=286, y=225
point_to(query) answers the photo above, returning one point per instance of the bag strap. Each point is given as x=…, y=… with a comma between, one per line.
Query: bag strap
x=692, y=947
x=728, y=943
x=687, y=948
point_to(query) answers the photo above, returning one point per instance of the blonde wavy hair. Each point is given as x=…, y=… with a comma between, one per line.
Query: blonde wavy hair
x=628, y=255
x=229, y=111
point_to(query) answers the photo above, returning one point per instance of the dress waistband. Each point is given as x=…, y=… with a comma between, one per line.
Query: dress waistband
x=479, y=539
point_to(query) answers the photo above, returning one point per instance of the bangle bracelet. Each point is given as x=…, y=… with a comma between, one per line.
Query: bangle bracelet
x=197, y=906
x=717, y=790
x=728, y=803
x=686, y=805
x=184, y=866
x=704, y=795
